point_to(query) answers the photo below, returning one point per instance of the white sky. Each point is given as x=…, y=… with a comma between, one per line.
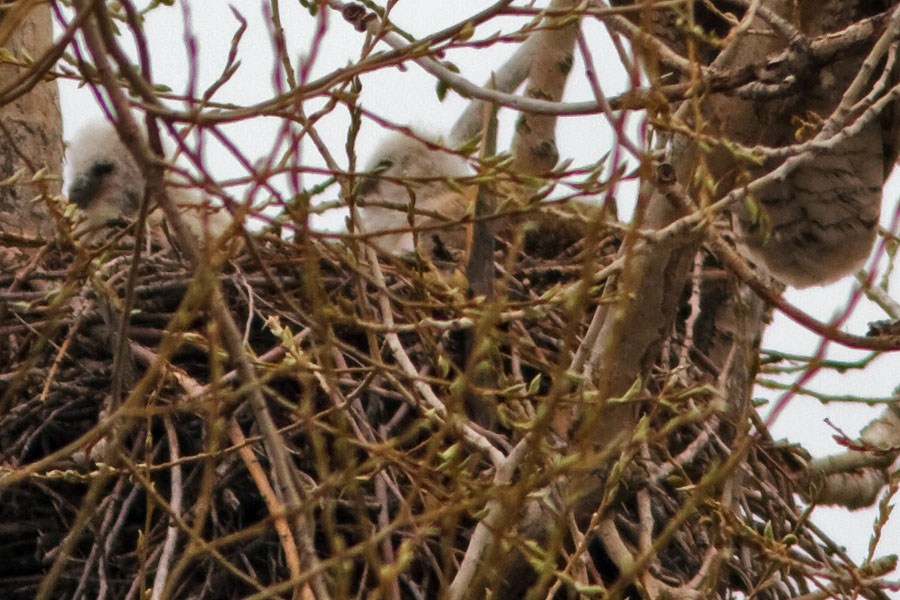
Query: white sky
x=408, y=97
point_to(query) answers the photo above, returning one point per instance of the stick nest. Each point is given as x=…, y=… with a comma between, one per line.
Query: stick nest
x=392, y=487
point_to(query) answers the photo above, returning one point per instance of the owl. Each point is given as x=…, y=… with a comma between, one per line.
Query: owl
x=107, y=185
x=411, y=198
x=817, y=223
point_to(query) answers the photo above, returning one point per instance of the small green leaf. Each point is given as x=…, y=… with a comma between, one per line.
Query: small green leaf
x=457, y=386
x=450, y=453
x=631, y=393
x=443, y=365
x=441, y=90
x=534, y=385
x=467, y=31
x=14, y=177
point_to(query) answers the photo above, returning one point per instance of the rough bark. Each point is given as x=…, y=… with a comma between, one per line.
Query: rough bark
x=32, y=126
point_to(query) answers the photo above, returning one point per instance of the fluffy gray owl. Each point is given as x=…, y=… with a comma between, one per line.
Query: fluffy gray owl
x=108, y=186
x=106, y=182
x=818, y=223
x=408, y=186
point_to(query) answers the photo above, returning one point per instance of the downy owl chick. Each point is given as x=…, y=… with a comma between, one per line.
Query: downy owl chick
x=408, y=187
x=106, y=182
x=108, y=186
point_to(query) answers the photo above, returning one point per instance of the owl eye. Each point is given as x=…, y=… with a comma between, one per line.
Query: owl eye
x=383, y=165
x=99, y=169
x=369, y=184
x=86, y=187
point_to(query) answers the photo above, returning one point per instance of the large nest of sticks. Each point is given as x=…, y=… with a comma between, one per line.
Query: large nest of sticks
x=300, y=417
x=127, y=454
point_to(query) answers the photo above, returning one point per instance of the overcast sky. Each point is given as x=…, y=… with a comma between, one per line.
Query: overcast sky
x=407, y=96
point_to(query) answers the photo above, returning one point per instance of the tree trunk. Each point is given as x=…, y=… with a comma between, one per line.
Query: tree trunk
x=31, y=123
